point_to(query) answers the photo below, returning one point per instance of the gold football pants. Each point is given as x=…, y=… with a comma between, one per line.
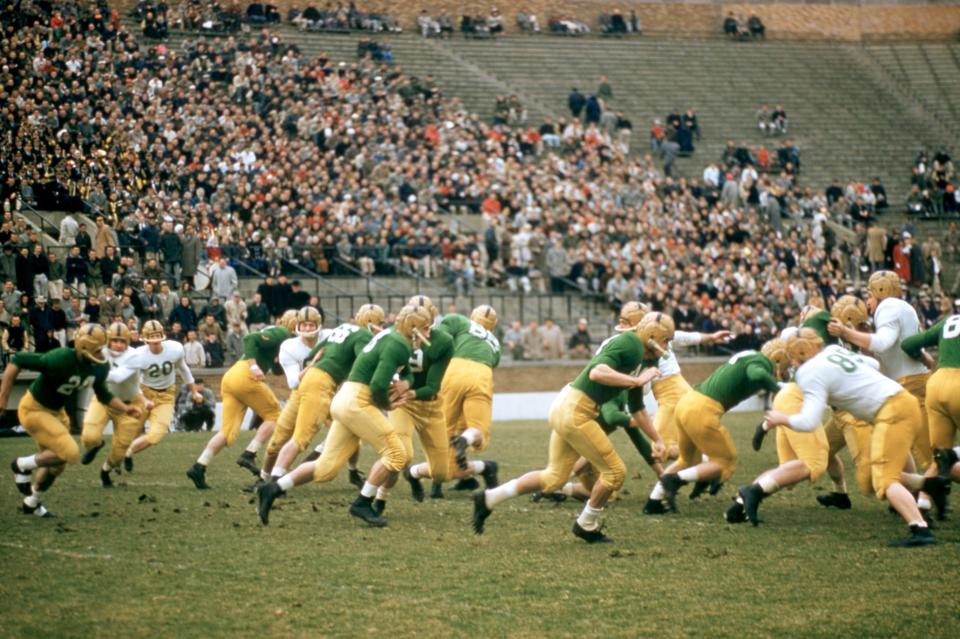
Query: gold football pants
x=306, y=412
x=467, y=397
x=125, y=428
x=810, y=448
x=50, y=429
x=426, y=418
x=161, y=414
x=895, y=428
x=239, y=391
x=668, y=392
x=943, y=406
x=917, y=386
x=845, y=430
x=701, y=433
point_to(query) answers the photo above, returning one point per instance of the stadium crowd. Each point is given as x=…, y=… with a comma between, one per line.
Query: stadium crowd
x=241, y=152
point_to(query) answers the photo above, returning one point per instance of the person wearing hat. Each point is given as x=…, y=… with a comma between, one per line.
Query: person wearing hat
x=236, y=311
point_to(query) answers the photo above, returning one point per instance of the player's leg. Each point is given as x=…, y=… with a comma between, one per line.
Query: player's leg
x=286, y=423
x=688, y=456
x=698, y=419
x=435, y=443
x=234, y=410
x=943, y=415
x=50, y=430
x=91, y=437
x=125, y=431
x=478, y=415
x=159, y=417
x=403, y=425
x=838, y=498
x=261, y=400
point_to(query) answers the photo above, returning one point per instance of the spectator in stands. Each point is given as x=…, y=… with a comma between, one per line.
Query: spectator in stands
x=258, y=313
x=191, y=253
x=109, y=306
x=213, y=350
x=209, y=326
x=41, y=326
x=527, y=21
x=195, y=414
x=576, y=102
x=580, y=344
x=215, y=309
x=532, y=341
x=756, y=27
x=495, y=22
x=513, y=340
x=15, y=338
x=731, y=27
x=171, y=250
x=236, y=312
x=429, y=26
x=223, y=279
x=778, y=119
x=193, y=353
x=184, y=314
x=68, y=230
x=553, y=344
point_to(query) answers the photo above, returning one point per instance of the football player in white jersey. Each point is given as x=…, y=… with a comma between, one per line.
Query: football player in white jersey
x=160, y=361
x=124, y=382
x=292, y=357
x=837, y=377
x=894, y=320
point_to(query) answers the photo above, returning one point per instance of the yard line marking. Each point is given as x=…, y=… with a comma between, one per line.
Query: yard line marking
x=55, y=551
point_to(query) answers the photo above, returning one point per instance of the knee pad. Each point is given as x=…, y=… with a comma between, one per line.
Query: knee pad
x=816, y=468
x=90, y=440
x=68, y=451
x=551, y=481
x=613, y=478
x=154, y=437
x=231, y=435
x=394, y=457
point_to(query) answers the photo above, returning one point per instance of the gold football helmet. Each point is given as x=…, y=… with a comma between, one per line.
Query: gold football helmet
x=850, y=310
x=485, y=316
x=309, y=315
x=884, y=284
x=656, y=330
x=776, y=351
x=413, y=324
x=89, y=342
x=289, y=320
x=804, y=345
x=152, y=332
x=426, y=302
x=807, y=312
x=118, y=330
x=630, y=316
x=369, y=316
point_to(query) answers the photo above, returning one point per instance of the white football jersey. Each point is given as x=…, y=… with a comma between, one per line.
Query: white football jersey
x=668, y=364
x=160, y=370
x=124, y=377
x=292, y=354
x=842, y=379
x=894, y=321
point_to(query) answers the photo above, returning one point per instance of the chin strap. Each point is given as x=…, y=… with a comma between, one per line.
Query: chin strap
x=656, y=347
x=419, y=336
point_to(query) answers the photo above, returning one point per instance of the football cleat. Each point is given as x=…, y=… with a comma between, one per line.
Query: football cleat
x=416, y=486
x=555, y=497
x=356, y=477
x=591, y=536
x=758, y=434
x=267, y=493
x=489, y=474
x=751, y=495
x=734, y=514
x=938, y=488
x=654, y=507
x=247, y=460
x=840, y=501
x=436, y=490
x=128, y=463
x=363, y=509
x=90, y=453
x=379, y=505
x=198, y=474
x=671, y=484
x=460, y=445
x=313, y=456
x=716, y=486
x=105, y=480
x=467, y=483
x=480, y=511
x=21, y=479
x=252, y=488
x=699, y=488
x=918, y=537
x=946, y=459
x=37, y=511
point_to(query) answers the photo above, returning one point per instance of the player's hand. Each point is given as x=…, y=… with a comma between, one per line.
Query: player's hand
x=398, y=388
x=776, y=418
x=836, y=328
x=648, y=376
x=402, y=399
x=148, y=405
x=197, y=397
x=133, y=411
x=658, y=450
x=719, y=336
x=257, y=375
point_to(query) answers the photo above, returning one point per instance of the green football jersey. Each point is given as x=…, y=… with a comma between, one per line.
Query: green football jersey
x=945, y=335
x=429, y=363
x=340, y=350
x=818, y=322
x=384, y=356
x=62, y=373
x=745, y=374
x=614, y=415
x=264, y=345
x=472, y=341
x=624, y=354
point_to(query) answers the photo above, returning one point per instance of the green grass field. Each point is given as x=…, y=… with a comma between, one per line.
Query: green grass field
x=156, y=557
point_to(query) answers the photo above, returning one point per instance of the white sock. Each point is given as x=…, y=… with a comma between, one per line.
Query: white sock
x=912, y=481
x=472, y=435
x=768, y=484
x=478, y=467
x=285, y=483
x=923, y=503
x=253, y=446
x=766, y=426
x=568, y=488
x=27, y=463
x=106, y=466
x=957, y=450
x=588, y=517
x=501, y=493
x=205, y=457
x=368, y=490
x=264, y=475
x=319, y=448
x=920, y=523
x=278, y=471
x=382, y=493
x=658, y=493
x=840, y=486
x=704, y=458
x=416, y=469
x=32, y=500
x=689, y=474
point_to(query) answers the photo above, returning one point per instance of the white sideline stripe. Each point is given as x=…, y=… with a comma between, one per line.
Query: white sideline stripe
x=521, y=406
x=54, y=551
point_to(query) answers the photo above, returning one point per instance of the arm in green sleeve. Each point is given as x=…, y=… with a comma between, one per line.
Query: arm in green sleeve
x=915, y=343
x=383, y=377
x=455, y=324
x=612, y=415
x=434, y=377
x=30, y=361
x=762, y=377
x=641, y=443
x=635, y=399
x=100, y=389
x=250, y=346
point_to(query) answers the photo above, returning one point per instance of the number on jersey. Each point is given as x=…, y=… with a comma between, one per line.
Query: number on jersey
x=740, y=355
x=372, y=344
x=416, y=361
x=340, y=334
x=846, y=360
x=951, y=327
x=159, y=370
x=481, y=333
x=73, y=384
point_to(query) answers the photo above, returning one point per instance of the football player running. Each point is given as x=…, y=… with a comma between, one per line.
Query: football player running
x=243, y=387
x=576, y=433
x=357, y=411
x=124, y=383
x=160, y=361
x=833, y=375
x=63, y=372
